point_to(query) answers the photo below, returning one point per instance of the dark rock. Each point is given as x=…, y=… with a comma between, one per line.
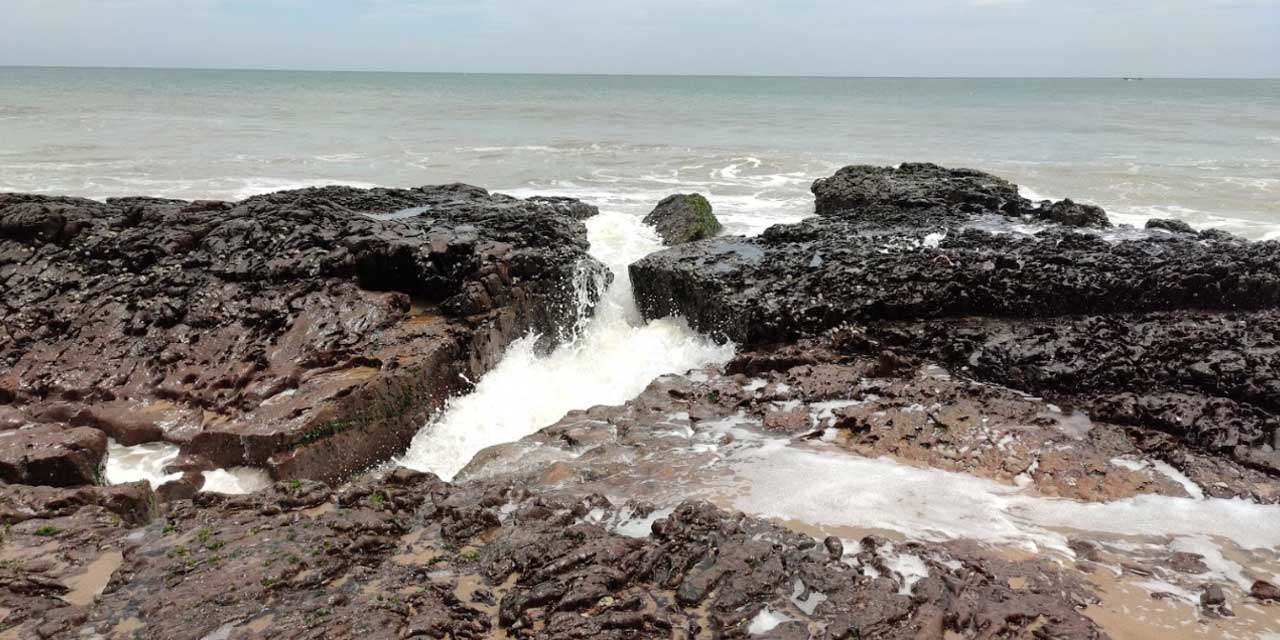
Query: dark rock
x=834, y=547
x=309, y=331
x=1264, y=590
x=1073, y=214
x=809, y=277
x=382, y=566
x=916, y=186
x=1169, y=224
x=184, y=488
x=683, y=218
x=571, y=207
x=1169, y=333
x=1210, y=380
x=134, y=502
x=52, y=455
x=1212, y=595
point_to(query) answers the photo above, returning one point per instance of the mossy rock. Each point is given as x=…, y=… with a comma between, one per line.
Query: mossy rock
x=682, y=218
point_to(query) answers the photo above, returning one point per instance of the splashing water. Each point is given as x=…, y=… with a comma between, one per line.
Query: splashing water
x=140, y=462
x=615, y=356
x=147, y=462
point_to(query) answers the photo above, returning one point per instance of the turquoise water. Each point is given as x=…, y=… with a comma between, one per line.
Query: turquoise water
x=1207, y=151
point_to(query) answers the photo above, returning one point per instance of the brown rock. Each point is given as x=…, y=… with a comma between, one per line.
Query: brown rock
x=183, y=488
x=52, y=455
x=1184, y=562
x=300, y=330
x=1212, y=595
x=1264, y=590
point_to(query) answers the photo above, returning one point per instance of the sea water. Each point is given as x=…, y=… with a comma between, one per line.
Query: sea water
x=1204, y=151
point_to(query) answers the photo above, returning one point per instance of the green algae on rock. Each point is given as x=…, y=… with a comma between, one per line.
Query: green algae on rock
x=682, y=218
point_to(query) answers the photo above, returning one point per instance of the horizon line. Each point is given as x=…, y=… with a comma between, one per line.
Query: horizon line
x=627, y=75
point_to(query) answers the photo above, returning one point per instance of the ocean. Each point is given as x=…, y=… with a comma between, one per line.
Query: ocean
x=1204, y=151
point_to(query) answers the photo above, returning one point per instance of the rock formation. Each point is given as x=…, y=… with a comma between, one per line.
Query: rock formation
x=930, y=325
x=682, y=218
x=310, y=331
x=1171, y=333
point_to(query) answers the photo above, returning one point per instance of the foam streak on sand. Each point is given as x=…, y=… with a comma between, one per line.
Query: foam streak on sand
x=613, y=359
x=830, y=488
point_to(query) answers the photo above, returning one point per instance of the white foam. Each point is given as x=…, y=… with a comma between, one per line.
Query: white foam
x=616, y=356
x=807, y=604
x=236, y=480
x=933, y=240
x=833, y=488
x=147, y=462
x=908, y=567
x=634, y=527
x=1137, y=215
x=1129, y=463
x=765, y=621
x=1188, y=484
x=140, y=462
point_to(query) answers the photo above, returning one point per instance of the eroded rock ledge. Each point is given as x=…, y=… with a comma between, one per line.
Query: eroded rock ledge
x=1167, y=331
x=309, y=331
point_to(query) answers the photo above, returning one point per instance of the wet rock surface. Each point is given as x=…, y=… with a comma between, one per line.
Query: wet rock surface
x=771, y=414
x=52, y=455
x=682, y=218
x=1168, y=332
x=1210, y=381
x=410, y=555
x=954, y=413
x=307, y=331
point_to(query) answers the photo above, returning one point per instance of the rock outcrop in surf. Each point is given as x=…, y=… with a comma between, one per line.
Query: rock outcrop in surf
x=683, y=217
x=310, y=332
x=1167, y=332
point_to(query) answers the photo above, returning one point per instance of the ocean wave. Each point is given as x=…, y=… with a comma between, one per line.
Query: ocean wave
x=1266, y=185
x=1138, y=215
x=250, y=187
x=339, y=157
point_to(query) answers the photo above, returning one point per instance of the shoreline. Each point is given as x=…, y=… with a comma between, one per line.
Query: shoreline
x=931, y=347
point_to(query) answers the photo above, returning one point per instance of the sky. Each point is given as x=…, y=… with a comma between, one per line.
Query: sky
x=1150, y=38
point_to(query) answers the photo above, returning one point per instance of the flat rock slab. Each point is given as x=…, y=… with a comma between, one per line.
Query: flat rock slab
x=308, y=331
x=52, y=455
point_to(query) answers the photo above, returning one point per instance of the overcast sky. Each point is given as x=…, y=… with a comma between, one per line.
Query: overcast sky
x=759, y=37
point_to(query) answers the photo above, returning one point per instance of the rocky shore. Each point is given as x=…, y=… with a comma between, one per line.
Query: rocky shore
x=953, y=413
x=308, y=332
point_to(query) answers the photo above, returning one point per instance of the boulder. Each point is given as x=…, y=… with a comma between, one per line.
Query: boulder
x=52, y=455
x=1169, y=224
x=916, y=186
x=682, y=218
x=1264, y=590
x=1072, y=214
x=914, y=194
